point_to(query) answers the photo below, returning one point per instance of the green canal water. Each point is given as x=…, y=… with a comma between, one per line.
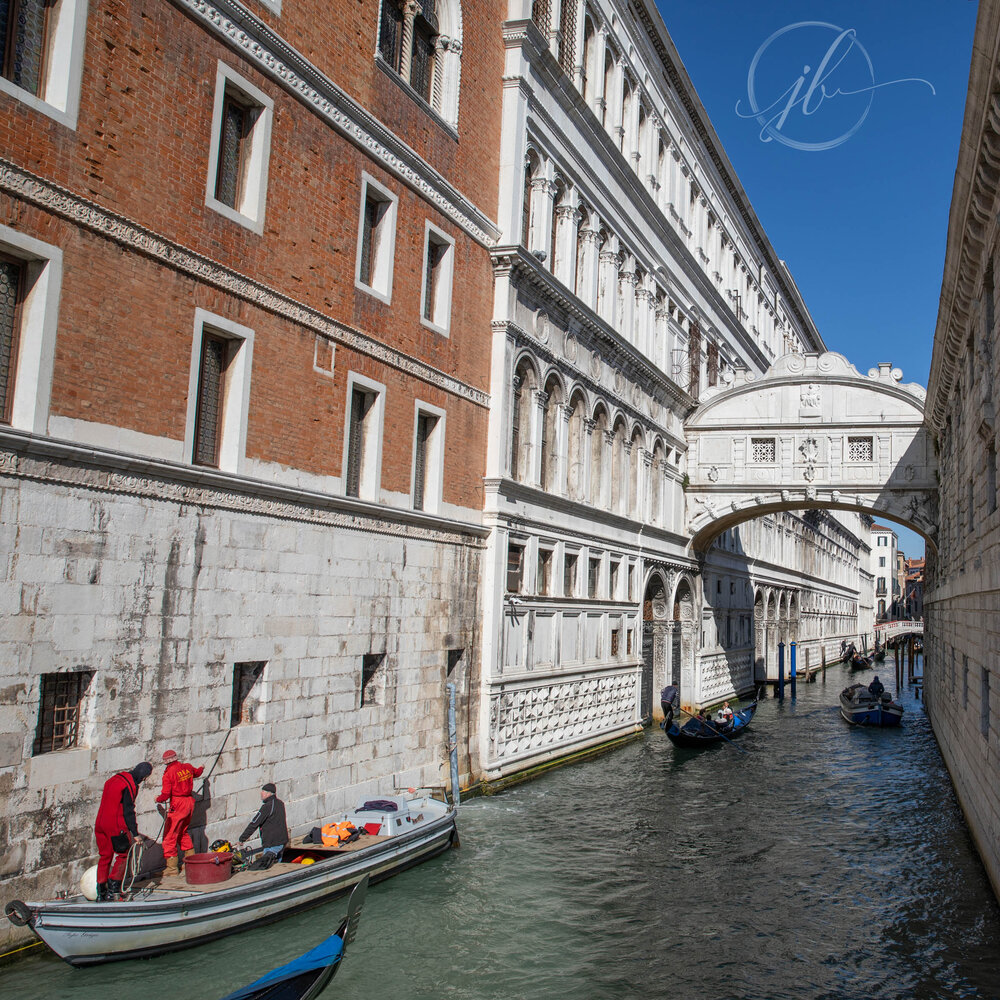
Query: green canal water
x=825, y=862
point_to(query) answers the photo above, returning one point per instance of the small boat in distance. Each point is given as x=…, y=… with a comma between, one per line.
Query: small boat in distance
x=698, y=733
x=860, y=707
x=307, y=976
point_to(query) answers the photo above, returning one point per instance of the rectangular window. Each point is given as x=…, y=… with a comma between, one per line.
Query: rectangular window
x=613, y=584
x=569, y=574
x=426, y=423
x=390, y=33
x=372, y=679
x=762, y=450
x=631, y=582
x=515, y=567
x=593, y=576
x=984, y=704
x=245, y=678
x=359, y=442
x=422, y=65
x=12, y=281
x=881, y=562
x=439, y=255
x=628, y=641
x=240, y=150
x=24, y=31
x=215, y=356
x=376, y=240
x=544, y=582
x=860, y=449
x=614, y=641
x=59, y=711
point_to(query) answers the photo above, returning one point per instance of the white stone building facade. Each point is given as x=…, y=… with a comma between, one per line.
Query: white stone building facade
x=884, y=548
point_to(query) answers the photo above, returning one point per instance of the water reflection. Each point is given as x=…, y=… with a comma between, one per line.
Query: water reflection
x=828, y=861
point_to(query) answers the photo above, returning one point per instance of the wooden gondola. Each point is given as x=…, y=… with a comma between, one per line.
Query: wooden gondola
x=696, y=733
x=879, y=655
x=305, y=977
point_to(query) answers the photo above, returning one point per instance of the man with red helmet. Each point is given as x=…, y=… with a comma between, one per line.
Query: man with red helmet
x=115, y=828
x=178, y=780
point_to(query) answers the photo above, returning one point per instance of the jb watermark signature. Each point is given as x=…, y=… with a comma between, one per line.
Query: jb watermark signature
x=830, y=95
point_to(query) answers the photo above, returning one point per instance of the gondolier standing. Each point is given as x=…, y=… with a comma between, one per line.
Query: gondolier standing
x=668, y=700
x=270, y=820
x=178, y=781
x=115, y=827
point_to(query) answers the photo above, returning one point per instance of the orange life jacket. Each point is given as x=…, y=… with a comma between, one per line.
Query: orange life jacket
x=336, y=834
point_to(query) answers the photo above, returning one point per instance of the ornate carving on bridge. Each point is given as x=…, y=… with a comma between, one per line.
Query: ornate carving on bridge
x=811, y=432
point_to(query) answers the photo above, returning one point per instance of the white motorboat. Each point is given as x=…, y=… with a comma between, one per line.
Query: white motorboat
x=160, y=917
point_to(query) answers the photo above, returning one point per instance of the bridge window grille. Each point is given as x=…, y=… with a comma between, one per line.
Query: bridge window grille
x=860, y=449
x=59, y=711
x=763, y=449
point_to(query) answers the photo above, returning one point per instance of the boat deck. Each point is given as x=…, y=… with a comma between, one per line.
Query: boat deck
x=180, y=885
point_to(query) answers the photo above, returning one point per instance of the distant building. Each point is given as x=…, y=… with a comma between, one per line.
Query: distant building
x=913, y=593
x=884, y=549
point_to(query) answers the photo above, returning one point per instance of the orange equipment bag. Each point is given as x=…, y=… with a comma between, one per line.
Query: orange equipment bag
x=338, y=834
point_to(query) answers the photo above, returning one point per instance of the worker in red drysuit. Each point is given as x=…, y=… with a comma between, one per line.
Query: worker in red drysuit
x=115, y=828
x=178, y=780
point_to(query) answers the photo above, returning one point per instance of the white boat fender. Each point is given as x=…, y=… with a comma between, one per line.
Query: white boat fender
x=17, y=913
x=88, y=883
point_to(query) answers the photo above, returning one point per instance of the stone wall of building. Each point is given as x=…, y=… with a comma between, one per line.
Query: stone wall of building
x=962, y=579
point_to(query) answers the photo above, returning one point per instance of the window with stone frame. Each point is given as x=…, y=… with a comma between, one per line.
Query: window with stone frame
x=361, y=443
x=593, y=576
x=860, y=449
x=25, y=28
x=762, y=450
x=407, y=42
x=570, y=561
x=515, y=567
x=216, y=356
x=713, y=364
x=376, y=240
x=59, y=705
x=12, y=287
x=373, y=676
x=543, y=581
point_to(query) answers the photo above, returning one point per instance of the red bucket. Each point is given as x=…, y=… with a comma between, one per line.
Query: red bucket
x=204, y=869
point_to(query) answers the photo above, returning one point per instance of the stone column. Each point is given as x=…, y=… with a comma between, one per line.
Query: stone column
x=599, y=99
x=567, y=218
x=607, y=468
x=647, y=477
x=628, y=279
x=586, y=492
x=589, y=265
x=410, y=9
x=643, y=309
x=652, y=154
x=562, y=462
x=542, y=193
x=614, y=102
x=608, y=282
x=662, y=359
x=534, y=474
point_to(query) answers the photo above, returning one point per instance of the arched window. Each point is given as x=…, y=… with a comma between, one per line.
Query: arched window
x=422, y=42
x=550, y=436
x=557, y=201
x=609, y=80
x=525, y=385
x=656, y=484
x=531, y=168
x=597, y=471
x=619, y=470
x=582, y=277
x=640, y=143
x=575, y=448
x=634, y=472
x=624, y=136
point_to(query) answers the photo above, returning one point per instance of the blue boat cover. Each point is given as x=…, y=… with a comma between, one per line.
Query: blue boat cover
x=326, y=953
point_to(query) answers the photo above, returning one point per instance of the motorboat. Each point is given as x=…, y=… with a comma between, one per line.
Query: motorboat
x=860, y=707
x=159, y=916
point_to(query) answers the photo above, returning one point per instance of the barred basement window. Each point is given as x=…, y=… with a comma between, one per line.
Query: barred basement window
x=372, y=679
x=762, y=450
x=24, y=30
x=12, y=279
x=59, y=711
x=860, y=449
x=245, y=677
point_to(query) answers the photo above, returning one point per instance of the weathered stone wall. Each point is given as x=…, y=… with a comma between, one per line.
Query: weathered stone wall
x=962, y=586
x=159, y=587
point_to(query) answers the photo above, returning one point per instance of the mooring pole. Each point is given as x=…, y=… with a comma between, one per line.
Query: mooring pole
x=822, y=661
x=453, y=744
x=909, y=661
x=794, y=644
x=781, y=671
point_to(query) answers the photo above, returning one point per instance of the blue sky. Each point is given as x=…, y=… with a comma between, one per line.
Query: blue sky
x=862, y=224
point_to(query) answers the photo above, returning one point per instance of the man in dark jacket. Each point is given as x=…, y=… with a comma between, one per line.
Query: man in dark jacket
x=668, y=701
x=270, y=820
x=115, y=828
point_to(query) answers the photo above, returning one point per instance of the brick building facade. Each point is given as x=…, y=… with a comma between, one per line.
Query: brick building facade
x=245, y=272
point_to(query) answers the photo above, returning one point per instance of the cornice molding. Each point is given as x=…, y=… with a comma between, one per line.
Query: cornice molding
x=259, y=45
x=67, y=464
x=20, y=183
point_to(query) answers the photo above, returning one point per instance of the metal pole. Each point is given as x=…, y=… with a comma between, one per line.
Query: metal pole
x=781, y=671
x=453, y=744
x=794, y=650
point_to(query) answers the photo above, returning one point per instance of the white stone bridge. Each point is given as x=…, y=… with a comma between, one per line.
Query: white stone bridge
x=812, y=432
x=886, y=631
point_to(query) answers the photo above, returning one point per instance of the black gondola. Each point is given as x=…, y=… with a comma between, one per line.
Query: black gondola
x=879, y=655
x=696, y=733
x=307, y=976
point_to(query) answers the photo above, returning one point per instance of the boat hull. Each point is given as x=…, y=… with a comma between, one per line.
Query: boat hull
x=680, y=736
x=883, y=717
x=93, y=933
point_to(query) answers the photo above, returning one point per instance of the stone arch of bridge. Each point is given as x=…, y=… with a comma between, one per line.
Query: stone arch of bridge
x=810, y=433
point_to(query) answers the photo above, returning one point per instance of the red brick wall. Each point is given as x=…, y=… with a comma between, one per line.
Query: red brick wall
x=141, y=149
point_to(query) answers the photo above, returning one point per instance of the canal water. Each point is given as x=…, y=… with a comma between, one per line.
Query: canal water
x=822, y=862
